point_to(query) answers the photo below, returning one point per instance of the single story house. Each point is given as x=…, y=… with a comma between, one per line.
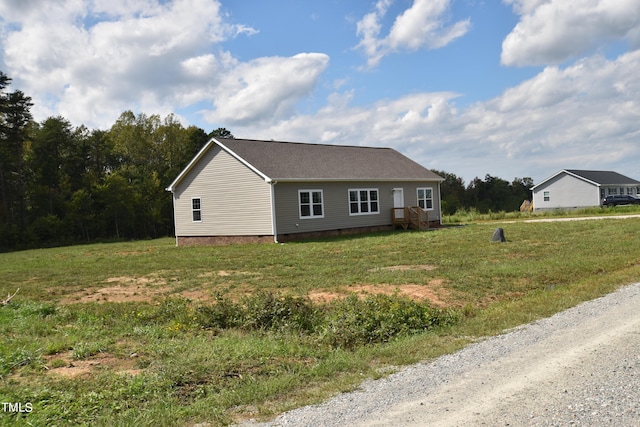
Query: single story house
x=249, y=190
x=573, y=188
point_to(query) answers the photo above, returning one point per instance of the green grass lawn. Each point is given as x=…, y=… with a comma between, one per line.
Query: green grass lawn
x=145, y=333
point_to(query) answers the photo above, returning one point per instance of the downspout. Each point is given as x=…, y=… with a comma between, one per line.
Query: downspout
x=274, y=227
x=171, y=188
x=440, y=201
x=175, y=222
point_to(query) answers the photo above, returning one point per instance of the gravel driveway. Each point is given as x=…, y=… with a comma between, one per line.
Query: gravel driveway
x=580, y=367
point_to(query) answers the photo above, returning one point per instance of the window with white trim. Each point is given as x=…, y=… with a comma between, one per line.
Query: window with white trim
x=546, y=196
x=364, y=201
x=425, y=198
x=196, y=209
x=311, y=204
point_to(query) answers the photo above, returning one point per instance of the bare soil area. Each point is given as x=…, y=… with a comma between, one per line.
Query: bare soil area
x=151, y=288
x=65, y=365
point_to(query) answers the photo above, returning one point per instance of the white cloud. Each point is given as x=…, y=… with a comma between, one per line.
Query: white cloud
x=423, y=25
x=553, y=31
x=583, y=116
x=265, y=88
x=88, y=60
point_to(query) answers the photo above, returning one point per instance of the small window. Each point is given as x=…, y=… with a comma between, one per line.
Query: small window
x=196, y=210
x=363, y=201
x=546, y=196
x=311, y=205
x=425, y=198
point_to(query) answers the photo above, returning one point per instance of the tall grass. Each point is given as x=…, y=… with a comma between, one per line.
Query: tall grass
x=464, y=216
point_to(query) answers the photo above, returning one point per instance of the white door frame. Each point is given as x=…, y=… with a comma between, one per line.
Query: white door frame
x=398, y=201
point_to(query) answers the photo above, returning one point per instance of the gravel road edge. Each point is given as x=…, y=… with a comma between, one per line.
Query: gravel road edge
x=577, y=367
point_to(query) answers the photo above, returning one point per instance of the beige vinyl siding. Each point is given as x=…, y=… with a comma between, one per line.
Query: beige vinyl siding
x=336, y=204
x=235, y=201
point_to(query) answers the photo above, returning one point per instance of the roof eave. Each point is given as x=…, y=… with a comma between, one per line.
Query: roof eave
x=357, y=179
x=581, y=177
x=202, y=152
x=544, y=181
x=188, y=168
x=244, y=162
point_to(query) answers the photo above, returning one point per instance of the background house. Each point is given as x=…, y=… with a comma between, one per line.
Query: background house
x=573, y=188
x=236, y=189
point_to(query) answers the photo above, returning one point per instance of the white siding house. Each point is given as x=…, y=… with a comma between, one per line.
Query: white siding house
x=250, y=190
x=573, y=188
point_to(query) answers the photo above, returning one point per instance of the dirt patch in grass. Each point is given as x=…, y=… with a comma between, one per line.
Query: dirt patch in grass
x=197, y=295
x=421, y=267
x=64, y=365
x=151, y=288
x=227, y=273
x=130, y=280
x=135, y=289
x=431, y=291
x=121, y=289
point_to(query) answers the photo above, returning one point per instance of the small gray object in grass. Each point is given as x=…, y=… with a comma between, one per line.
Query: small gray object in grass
x=498, y=235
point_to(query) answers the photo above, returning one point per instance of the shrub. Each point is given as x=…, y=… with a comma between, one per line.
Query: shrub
x=348, y=323
x=266, y=311
x=379, y=318
x=223, y=314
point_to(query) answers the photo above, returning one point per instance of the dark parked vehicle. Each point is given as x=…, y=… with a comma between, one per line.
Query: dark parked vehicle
x=620, y=200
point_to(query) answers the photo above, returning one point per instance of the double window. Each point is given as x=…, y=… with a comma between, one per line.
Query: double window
x=311, y=204
x=363, y=201
x=425, y=198
x=196, y=210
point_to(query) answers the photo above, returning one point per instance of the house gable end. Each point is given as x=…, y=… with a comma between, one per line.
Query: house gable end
x=553, y=177
x=233, y=199
x=203, y=151
x=565, y=190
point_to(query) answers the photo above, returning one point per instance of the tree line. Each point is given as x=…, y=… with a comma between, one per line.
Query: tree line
x=492, y=194
x=61, y=184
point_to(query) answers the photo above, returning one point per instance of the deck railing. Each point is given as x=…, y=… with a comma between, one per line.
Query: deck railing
x=410, y=216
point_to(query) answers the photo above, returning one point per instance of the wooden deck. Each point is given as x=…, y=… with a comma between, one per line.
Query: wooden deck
x=410, y=217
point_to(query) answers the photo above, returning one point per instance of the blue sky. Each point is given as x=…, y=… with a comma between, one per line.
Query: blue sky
x=511, y=88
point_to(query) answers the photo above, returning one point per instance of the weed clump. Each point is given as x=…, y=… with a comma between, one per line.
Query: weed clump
x=354, y=322
x=267, y=311
x=346, y=324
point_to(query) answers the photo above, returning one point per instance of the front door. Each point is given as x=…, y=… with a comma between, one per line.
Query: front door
x=398, y=202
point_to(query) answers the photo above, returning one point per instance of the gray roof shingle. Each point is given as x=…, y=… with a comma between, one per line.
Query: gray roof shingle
x=301, y=161
x=604, y=177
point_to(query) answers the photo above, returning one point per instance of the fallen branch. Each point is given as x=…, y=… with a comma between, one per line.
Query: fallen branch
x=9, y=297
